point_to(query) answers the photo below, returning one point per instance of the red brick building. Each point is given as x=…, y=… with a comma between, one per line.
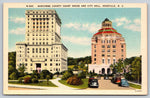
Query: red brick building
x=108, y=46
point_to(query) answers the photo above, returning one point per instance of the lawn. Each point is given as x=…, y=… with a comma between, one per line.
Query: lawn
x=135, y=86
x=41, y=83
x=83, y=86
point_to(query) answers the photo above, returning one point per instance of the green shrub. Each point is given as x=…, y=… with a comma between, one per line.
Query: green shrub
x=35, y=80
x=13, y=76
x=35, y=74
x=27, y=80
x=47, y=78
x=20, y=79
x=27, y=76
x=74, y=81
x=66, y=75
x=82, y=75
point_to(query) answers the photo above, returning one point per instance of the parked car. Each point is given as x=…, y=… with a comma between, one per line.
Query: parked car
x=124, y=83
x=93, y=83
x=116, y=79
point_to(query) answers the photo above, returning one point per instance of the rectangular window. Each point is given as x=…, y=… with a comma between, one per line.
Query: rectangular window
x=108, y=61
x=108, y=50
x=122, y=50
x=114, y=46
x=32, y=50
x=108, y=41
x=108, y=46
x=46, y=50
x=114, y=61
x=103, y=46
x=36, y=50
x=114, y=50
x=103, y=61
x=103, y=50
x=43, y=50
x=40, y=50
x=102, y=41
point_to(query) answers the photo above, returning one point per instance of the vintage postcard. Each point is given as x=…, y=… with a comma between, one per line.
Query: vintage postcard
x=75, y=49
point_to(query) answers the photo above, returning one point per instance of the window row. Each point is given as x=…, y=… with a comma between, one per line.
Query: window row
x=41, y=27
x=41, y=19
x=38, y=34
x=108, y=61
x=51, y=64
x=39, y=43
x=39, y=39
x=40, y=23
x=108, y=41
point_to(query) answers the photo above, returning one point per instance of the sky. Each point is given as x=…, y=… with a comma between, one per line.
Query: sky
x=80, y=24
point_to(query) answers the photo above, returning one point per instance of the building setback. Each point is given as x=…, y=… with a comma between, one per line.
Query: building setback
x=108, y=46
x=42, y=49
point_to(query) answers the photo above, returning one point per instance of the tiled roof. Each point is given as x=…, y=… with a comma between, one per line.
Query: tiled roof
x=107, y=30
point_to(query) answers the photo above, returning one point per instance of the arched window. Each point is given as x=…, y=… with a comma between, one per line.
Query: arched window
x=108, y=70
x=96, y=39
x=103, y=71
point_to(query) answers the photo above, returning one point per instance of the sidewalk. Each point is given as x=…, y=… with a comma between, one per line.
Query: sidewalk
x=61, y=86
x=55, y=81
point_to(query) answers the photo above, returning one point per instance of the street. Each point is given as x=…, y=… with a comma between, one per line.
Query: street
x=108, y=85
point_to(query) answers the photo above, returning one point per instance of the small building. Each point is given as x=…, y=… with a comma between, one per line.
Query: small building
x=108, y=46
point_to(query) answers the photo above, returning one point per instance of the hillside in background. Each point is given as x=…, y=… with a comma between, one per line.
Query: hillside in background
x=78, y=61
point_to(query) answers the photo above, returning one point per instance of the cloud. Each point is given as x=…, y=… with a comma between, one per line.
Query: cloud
x=20, y=20
x=133, y=25
x=121, y=21
x=77, y=40
x=17, y=31
x=137, y=21
x=93, y=27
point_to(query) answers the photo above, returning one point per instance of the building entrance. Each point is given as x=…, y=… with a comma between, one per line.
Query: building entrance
x=38, y=67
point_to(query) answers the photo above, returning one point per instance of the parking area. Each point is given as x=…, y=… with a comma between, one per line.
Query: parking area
x=108, y=85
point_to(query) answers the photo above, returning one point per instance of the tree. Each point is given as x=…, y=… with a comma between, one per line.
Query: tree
x=47, y=78
x=21, y=70
x=35, y=74
x=119, y=66
x=13, y=76
x=82, y=75
x=136, y=69
x=11, y=63
x=66, y=75
x=44, y=73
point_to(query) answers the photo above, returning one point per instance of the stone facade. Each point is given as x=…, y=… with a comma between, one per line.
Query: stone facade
x=108, y=46
x=42, y=49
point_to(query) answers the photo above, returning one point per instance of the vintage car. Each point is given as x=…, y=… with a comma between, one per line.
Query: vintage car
x=93, y=83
